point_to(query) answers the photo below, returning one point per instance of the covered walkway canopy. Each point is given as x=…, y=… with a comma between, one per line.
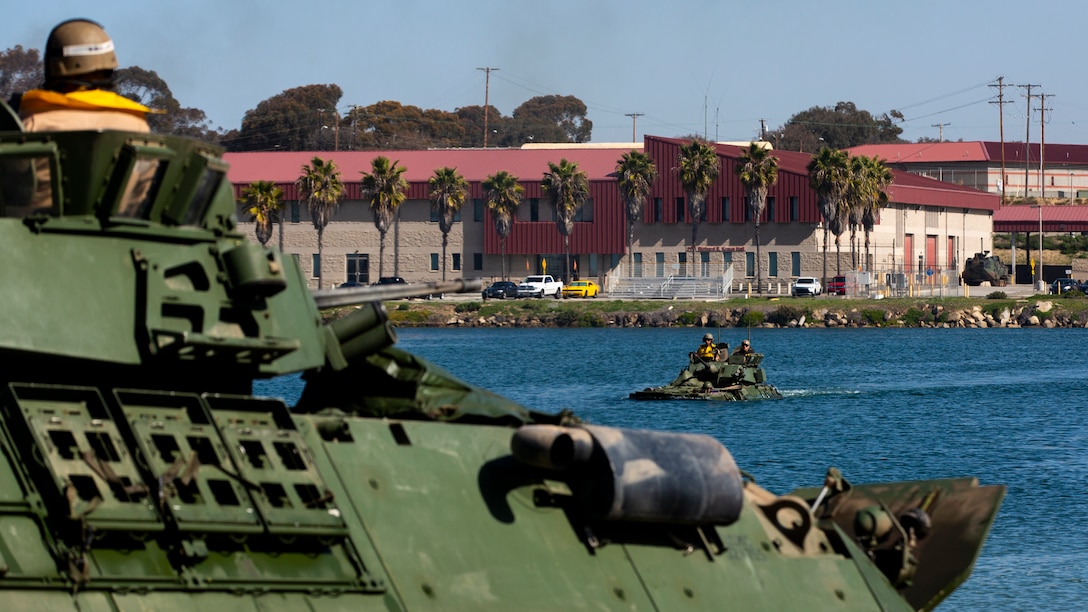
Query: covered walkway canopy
x=1055, y=219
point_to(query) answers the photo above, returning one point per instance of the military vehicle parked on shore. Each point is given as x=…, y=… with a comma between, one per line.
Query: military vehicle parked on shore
x=983, y=268
x=139, y=471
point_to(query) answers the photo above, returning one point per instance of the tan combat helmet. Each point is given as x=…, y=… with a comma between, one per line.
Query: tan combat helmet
x=76, y=47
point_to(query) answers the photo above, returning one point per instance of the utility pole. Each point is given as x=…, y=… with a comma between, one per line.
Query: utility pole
x=487, y=91
x=762, y=130
x=1027, y=139
x=1001, y=102
x=634, y=120
x=940, y=131
x=1042, y=144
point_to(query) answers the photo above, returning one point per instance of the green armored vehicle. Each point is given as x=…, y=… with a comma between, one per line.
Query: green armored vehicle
x=719, y=377
x=985, y=268
x=139, y=471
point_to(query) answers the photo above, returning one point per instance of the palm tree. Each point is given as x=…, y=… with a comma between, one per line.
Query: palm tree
x=879, y=178
x=321, y=187
x=264, y=200
x=699, y=168
x=503, y=194
x=567, y=188
x=757, y=171
x=637, y=173
x=448, y=190
x=385, y=189
x=829, y=176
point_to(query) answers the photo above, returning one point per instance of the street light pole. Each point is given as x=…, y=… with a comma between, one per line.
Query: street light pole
x=1039, y=267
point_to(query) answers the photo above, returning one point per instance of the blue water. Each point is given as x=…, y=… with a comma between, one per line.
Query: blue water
x=1006, y=406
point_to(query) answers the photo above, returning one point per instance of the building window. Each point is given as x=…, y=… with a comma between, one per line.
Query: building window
x=434, y=262
x=316, y=262
x=795, y=208
x=727, y=260
x=477, y=210
x=658, y=206
x=585, y=213
x=660, y=264
x=456, y=262
x=637, y=265
x=534, y=209
x=749, y=264
x=772, y=264
x=359, y=268
x=294, y=211
x=682, y=259
x=704, y=260
x=725, y=208
x=477, y=261
x=770, y=209
x=679, y=210
x=795, y=263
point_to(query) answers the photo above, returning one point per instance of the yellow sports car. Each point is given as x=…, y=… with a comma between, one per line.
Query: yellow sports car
x=582, y=289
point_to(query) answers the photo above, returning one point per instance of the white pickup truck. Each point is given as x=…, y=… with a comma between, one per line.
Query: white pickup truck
x=541, y=285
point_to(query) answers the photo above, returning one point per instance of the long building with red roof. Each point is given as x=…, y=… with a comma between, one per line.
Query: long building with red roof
x=928, y=225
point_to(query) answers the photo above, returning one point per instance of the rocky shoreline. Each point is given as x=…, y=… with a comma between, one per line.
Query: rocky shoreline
x=1034, y=312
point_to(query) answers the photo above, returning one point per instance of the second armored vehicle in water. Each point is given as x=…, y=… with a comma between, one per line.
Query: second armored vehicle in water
x=718, y=377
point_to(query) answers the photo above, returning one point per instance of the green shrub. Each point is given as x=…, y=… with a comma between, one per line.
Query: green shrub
x=467, y=307
x=873, y=316
x=686, y=318
x=751, y=318
x=785, y=313
x=913, y=317
x=409, y=316
x=403, y=307
x=997, y=295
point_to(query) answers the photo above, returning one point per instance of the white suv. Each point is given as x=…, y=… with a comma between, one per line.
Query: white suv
x=806, y=285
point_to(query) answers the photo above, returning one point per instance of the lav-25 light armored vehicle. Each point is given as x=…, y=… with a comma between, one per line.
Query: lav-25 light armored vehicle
x=725, y=377
x=138, y=471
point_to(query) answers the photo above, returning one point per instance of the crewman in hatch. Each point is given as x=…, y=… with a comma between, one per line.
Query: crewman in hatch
x=78, y=90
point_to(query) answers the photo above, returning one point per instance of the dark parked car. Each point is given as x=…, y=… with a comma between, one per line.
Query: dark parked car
x=1064, y=285
x=350, y=285
x=501, y=290
x=391, y=280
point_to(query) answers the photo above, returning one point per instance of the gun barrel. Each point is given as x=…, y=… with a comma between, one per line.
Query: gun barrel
x=331, y=298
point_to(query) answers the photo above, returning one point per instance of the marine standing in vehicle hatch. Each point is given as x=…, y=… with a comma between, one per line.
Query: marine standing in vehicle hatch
x=707, y=350
x=77, y=92
x=76, y=95
x=745, y=348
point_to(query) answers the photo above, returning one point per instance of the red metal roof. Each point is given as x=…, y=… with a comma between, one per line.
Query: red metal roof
x=1024, y=218
x=973, y=151
x=606, y=233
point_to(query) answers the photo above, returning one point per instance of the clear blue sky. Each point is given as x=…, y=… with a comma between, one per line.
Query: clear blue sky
x=713, y=67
